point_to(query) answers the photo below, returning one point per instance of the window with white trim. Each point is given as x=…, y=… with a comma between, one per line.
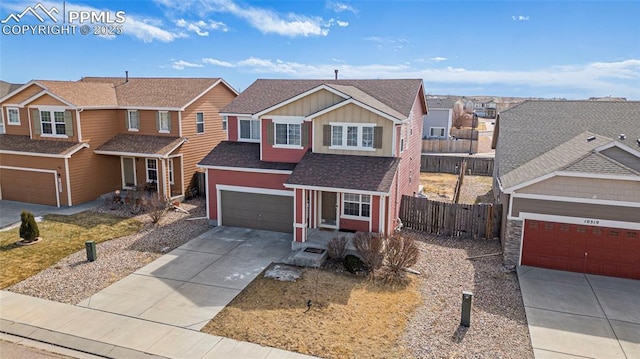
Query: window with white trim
x=52, y=123
x=13, y=116
x=133, y=120
x=249, y=130
x=199, y=122
x=352, y=136
x=436, y=132
x=288, y=134
x=224, y=123
x=163, y=121
x=356, y=205
x=170, y=165
x=152, y=169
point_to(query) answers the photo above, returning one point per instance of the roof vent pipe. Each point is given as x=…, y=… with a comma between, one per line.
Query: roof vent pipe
x=622, y=136
x=591, y=138
x=126, y=76
x=336, y=71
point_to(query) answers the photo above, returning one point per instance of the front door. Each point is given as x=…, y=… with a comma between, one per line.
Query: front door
x=329, y=205
x=128, y=172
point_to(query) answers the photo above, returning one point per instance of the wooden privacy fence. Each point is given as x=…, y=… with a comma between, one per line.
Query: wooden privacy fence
x=478, y=166
x=449, y=146
x=451, y=219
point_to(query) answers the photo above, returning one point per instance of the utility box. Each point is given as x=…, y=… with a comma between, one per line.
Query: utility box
x=465, y=320
x=92, y=255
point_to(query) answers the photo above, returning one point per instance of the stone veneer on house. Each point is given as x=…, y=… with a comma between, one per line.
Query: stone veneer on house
x=511, y=242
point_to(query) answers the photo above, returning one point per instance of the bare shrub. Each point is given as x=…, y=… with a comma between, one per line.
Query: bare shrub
x=369, y=246
x=156, y=206
x=337, y=248
x=399, y=253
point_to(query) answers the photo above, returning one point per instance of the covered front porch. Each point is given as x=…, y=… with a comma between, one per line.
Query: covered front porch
x=148, y=164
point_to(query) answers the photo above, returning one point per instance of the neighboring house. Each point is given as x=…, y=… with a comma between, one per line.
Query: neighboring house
x=568, y=176
x=308, y=154
x=68, y=142
x=437, y=123
x=5, y=89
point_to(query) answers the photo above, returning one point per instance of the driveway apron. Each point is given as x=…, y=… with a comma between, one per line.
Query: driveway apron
x=192, y=284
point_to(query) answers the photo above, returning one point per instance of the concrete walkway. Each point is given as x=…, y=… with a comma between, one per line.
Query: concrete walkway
x=574, y=315
x=117, y=336
x=190, y=285
x=10, y=210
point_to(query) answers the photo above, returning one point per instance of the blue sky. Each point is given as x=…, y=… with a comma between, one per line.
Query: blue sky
x=535, y=48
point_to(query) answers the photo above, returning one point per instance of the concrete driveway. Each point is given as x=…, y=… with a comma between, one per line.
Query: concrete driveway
x=573, y=315
x=190, y=285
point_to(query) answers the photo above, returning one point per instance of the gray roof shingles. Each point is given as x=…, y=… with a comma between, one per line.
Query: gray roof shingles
x=26, y=144
x=398, y=95
x=533, y=128
x=364, y=173
x=241, y=155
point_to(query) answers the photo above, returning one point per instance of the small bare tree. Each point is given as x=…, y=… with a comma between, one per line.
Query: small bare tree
x=337, y=248
x=400, y=252
x=156, y=206
x=369, y=246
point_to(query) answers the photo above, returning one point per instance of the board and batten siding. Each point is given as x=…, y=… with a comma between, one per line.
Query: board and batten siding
x=353, y=114
x=307, y=105
x=591, y=188
x=200, y=144
x=578, y=210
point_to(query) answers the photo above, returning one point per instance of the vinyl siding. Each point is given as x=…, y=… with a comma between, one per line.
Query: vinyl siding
x=41, y=184
x=274, y=154
x=592, y=188
x=353, y=114
x=579, y=210
x=23, y=95
x=22, y=129
x=308, y=105
x=46, y=100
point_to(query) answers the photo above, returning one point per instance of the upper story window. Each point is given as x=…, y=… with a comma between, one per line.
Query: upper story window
x=133, y=120
x=13, y=116
x=288, y=134
x=249, y=130
x=164, y=122
x=355, y=136
x=357, y=205
x=199, y=122
x=53, y=123
x=437, y=132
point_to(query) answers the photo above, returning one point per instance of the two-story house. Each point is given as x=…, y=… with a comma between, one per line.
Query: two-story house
x=304, y=155
x=68, y=142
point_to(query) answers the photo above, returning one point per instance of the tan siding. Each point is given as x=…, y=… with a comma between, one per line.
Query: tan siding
x=32, y=181
x=73, y=138
x=22, y=129
x=93, y=175
x=23, y=95
x=354, y=114
x=202, y=143
x=604, y=189
x=579, y=210
x=98, y=126
x=148, y=123
x=46, y=100
x=307, y=105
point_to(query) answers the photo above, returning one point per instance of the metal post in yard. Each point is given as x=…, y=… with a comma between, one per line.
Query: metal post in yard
x=467, y=297
x=90, y=246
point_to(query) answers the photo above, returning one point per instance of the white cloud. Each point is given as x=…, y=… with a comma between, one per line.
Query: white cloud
x=438, y=59
x=519, y=18
x=181, y=65
x=594, y=79
x=200, y=27
x=212, y=61
x=341, y=7
x=342, y=23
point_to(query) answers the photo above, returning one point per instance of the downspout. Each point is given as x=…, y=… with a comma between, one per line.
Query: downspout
x=78, y=124
x=68, y=180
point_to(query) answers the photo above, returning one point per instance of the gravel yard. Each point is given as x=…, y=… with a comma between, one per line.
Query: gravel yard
x=498, y=322
x=74, y=278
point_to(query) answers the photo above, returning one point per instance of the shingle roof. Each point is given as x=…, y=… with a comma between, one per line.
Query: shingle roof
x=26, y=144
x=440, y=102
x=598, y=163
x=156, y=91
x=398, y=95
x=81, y=94
x=363, y=173
x=241, y=155
x=7, y=87
x=141, y=144
x=533, y=128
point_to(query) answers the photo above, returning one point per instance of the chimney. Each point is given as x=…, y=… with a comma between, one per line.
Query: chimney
x=126, y=76
x=336, y=71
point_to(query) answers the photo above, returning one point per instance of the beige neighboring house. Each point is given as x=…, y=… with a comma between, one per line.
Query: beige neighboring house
x=68, y=142
x=568, y=176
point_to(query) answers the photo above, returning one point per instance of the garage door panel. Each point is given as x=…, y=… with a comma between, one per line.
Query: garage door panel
x=28, y=186
x=258, y=211
x=590, y=249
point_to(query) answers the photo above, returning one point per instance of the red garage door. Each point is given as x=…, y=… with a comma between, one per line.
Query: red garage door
x=586, y=249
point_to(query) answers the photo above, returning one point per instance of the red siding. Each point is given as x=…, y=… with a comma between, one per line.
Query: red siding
x=240, y=179
x=375, y=214
x=299, y=203
x=271, y=154
x=354, y=225
x=232, y=128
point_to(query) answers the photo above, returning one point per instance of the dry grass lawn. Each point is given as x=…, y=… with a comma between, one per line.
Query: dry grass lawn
x=349, y=318
x=438, y=186
x=62, y=236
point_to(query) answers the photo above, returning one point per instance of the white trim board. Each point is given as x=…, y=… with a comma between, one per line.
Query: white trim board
x=395, y=120
x=595, y=222
x=338, y=190
x=300, y=96
x=246, y=169
x=230, y=188
x=605, y=202
x=567, y=174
